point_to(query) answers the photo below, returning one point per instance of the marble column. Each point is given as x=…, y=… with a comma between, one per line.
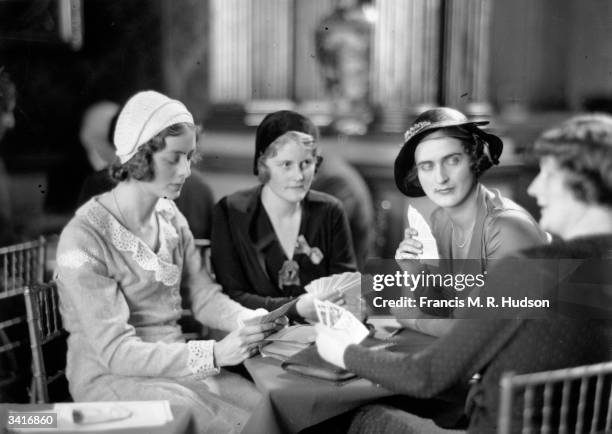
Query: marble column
x=230, y=64
x=271, y=49
x=309, y=84
x=185, y=51
x=466, y=55
x=406, y=56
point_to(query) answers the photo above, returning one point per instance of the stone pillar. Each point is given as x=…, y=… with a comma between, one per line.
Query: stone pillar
x=406, y=57
x=309, y=84
x=185, y=50
x=230, y=62
x=466, y=55
x=271, y=47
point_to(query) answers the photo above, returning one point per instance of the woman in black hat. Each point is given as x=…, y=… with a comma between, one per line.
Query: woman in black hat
x=574, y=192
x=443, y=156
x=269, y=241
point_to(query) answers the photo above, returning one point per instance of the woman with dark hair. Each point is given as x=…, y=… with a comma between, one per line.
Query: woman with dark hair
x=443, y=157
x=574, y=191
x=121, y=264
x=270, y=241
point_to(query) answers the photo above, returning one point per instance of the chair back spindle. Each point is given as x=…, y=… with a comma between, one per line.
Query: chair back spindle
x=44, y=326
x=573, y=400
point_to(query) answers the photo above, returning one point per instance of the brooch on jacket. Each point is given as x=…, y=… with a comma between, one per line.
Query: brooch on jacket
x=314, y=253
x=289, y=275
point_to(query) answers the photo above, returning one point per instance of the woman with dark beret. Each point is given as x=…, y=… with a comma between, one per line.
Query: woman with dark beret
x=269, y=241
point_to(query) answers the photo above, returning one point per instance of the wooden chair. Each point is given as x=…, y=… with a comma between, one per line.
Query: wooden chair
x=203, y=245
x=45, y=330
x=21, y=265
x=573, y=400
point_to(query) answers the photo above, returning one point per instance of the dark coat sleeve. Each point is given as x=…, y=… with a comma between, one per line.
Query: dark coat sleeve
x=449, y=360
x=342, y=252
x=196, y=203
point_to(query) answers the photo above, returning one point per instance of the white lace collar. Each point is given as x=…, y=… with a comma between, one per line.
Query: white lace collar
x=161, y=262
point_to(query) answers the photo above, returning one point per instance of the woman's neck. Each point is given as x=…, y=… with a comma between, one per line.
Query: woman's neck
x=135, y=205
x=596, y=220
x=276, y=206
x=463, y=215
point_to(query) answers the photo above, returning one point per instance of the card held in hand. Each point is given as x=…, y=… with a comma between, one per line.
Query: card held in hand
x=271, y=316
x=425, y=236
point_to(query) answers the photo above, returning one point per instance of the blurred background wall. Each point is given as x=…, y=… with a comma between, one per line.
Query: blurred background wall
x=520, y=63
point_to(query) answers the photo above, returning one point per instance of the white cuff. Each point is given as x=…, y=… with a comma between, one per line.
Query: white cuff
x=201, y=361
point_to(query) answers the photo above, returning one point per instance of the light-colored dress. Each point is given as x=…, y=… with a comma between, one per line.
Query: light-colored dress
x=120, y=302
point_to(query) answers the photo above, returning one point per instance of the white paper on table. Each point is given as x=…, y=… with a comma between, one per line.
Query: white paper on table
x=144, y=414
x=417, y=222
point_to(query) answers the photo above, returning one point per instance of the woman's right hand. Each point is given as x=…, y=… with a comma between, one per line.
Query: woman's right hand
x=241, y=344
x=410, y=247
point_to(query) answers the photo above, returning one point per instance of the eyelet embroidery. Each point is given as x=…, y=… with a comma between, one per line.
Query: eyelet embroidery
x=161, y=263
x=201, y=358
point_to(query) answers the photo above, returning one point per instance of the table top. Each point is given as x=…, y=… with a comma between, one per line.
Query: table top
x=292, y=402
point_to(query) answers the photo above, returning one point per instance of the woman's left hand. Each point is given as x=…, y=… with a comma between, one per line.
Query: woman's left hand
x=332, y=343
x=305, y=305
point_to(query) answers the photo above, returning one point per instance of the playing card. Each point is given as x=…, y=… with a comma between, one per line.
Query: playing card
x=324, y=287
x=417, y=222
x=320, y=309
x=352, y=300
x=348, y=280
x=335, y=312
x=332, y=282
x=271, y=316
x=352, y=325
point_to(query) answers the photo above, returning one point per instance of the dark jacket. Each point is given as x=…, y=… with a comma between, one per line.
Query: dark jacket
x=246, y=255
x=338, y=178
x=494, y=345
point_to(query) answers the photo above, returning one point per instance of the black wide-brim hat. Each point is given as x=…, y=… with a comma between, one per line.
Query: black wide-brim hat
x=427, y=122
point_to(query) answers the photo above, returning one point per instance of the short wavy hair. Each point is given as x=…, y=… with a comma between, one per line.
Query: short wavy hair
x=140, y=167
x=306, y=140
x=582, y=146
x=473, y=145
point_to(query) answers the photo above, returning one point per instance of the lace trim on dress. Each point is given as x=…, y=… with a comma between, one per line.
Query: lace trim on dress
x=161, y=263
x=201, y=358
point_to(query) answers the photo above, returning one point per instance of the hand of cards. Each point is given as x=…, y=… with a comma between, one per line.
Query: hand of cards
x=348, y=284
x=336, y=317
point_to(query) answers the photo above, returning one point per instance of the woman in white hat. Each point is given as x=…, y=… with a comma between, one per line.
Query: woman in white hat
x=122, y=261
